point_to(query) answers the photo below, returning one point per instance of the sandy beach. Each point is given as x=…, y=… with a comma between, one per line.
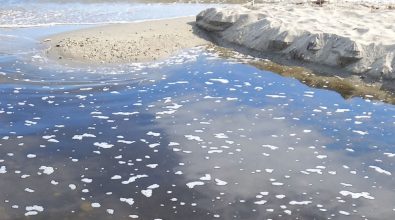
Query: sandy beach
x=348, y=38
x=125, y=43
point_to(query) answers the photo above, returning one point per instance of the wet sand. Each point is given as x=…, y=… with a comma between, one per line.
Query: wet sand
x=124, y=43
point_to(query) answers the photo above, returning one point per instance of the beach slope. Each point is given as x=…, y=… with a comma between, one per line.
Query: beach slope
x=350, y=38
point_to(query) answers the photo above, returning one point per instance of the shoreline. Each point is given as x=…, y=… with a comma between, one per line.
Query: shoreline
x=142, y=41
x=154, y=40
x=348, y=87
x=359, y=42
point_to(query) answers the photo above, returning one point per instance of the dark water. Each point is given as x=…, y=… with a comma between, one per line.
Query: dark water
x=193, y=137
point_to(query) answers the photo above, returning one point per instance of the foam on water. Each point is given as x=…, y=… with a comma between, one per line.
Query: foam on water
x=32, y=14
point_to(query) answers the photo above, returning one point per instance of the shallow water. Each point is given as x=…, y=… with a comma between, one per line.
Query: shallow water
x=32, y=13
x=193, y=137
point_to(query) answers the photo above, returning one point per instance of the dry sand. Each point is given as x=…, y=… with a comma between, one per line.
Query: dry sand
x=349, y=38
x=125, y=43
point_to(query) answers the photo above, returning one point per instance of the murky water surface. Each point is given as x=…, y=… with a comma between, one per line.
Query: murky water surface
x=193, y=137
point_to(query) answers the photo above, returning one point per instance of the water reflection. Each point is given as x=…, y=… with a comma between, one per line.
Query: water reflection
x=195, y=137
x=302, y=154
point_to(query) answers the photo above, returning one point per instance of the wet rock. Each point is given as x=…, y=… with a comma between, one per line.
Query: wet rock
x=351, y=54
x=388, y=70
x=295, y=54
x=278, y=45
x=315, y=44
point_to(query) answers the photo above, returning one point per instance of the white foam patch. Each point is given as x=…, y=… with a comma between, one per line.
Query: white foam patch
x=178, y=82
x=153, y=145
x=344, y=212
x=380, y=170
x=3, y=169
x=103, y=145
x=134, y=178
x=193, y=138
x=191, y=185
x=29, y=190
x=276, y=96
x=125, y=113
x=33, y=210
x=360, y=132
x=280, y=196
x=389, y=154
x=269, y=170
x=214, y=151
x=100, y=117
x=125, y=142
x=48, y=136
x=174, y=144
x=260, y=202
x=277, y=183
x=365, y=195
x=116, y=177
x=53, y=140
x=72, y=186
x=153, y=186
x=318, y=171
x=166, y=112
x=224, y=81
x=95, y=205
x=341, y=110
x=80, y=137
x=299, y=202
x=147, y=192
x=47, y=170
x=129, y=201
x=221, y=136
x=86, y=180
x=174, y=106
x=322, y=156
x=206, y=177
x=31, y=213
x=152, y=166
x=271, y=147
x=151, y=133
x=220, y=182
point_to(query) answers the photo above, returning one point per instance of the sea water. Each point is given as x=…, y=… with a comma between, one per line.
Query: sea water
x=25, y=13
x=195, y=136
